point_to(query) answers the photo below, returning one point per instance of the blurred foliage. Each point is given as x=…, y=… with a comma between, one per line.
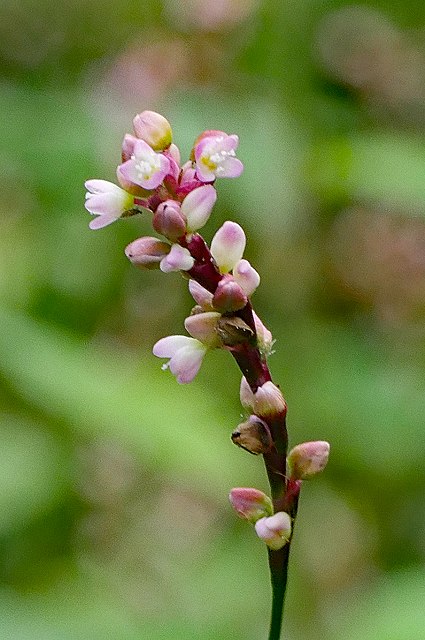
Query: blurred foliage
x=114, y=521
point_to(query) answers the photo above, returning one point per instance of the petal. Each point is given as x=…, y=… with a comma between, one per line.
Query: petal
x=101, y=186
x=167, y=347
x=102, y=221
x=201, y=295
x=187, y=361
x=232, y=168
x=202, y=326
x=246, y=276
x=228, y=245
x=179, y=259
x=197, y=206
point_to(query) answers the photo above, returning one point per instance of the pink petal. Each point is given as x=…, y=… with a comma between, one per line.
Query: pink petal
x=179, y=259
x=201, y=296
x=232, y=168
x=246, y=276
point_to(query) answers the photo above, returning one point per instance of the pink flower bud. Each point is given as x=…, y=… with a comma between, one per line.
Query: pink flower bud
x=202, y=326
x=267, y=401
x=169, y=221
x=201, y=296
x=147, y=252
x=154, y=129
x=250, y=504
x=197, y=206
x=264, y=337
x=275, y=530
x=229, y=296
x=228, y=245
x=246, y=276
x=253, y=436
x=179, y=259
x=307, y=459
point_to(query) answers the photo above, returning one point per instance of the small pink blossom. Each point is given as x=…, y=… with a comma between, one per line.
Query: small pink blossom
x=186, y=355
x=145, y=168
x=215, y=157
x=250, y=504
x=246, y=276
x=107, y=201
x=154, y=129
x=197, y=206
x=179, y=259
x=228, y=245
x=202, y=296
x=275, y=530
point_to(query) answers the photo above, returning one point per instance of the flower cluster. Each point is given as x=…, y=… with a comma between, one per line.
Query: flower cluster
x=180, y=199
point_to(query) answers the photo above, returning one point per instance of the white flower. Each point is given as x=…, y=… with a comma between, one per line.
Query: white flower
x=186, y=355
x=106, y=200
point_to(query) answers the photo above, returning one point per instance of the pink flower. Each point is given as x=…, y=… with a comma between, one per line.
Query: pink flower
x=106, y=200
x=186, y=355
x=215, y=157
x=145, y=168
x=275, y=530
x=228, y=245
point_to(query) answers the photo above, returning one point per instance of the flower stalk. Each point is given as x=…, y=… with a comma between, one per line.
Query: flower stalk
x=221, y=281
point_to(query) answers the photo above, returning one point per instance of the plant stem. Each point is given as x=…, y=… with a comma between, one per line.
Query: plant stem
x=278, y=563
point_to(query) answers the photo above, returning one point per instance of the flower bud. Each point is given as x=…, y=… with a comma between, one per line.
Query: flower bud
x=250, y=504
x=201, y=295
x=169, y=221
x=202, y=326
x=128, y=146
x=253, y=436
x=228, y=245
x=307, y=459
x=267, y=401
x=229, y=296
x=147, y=252
x=246, y=276
x=264, y=337
x=275, y=530
x=154, y=129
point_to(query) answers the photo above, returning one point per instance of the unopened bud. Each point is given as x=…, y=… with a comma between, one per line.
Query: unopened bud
x=234, y=331
x=202, y=326
x=264, y=337
x=267, y=401
x=253, y=436
x=307, y=459
x=169, y=220
x=275, y=530
x=154, y=129
x=201, y=295
x=250, y=504
x=147, y=252
x=229, y=296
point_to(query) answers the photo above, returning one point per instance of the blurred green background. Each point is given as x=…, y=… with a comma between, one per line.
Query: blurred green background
x=114, y=520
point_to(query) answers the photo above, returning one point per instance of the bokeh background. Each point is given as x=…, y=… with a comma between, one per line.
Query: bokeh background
x=114, y=520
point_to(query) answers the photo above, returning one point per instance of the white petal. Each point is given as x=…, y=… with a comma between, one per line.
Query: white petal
x=187, y=361
x=167, y=347
x=246, y=276
x=102, y=221
x=179, y=259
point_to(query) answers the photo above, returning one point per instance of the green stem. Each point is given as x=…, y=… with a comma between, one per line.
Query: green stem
x=278, y=563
